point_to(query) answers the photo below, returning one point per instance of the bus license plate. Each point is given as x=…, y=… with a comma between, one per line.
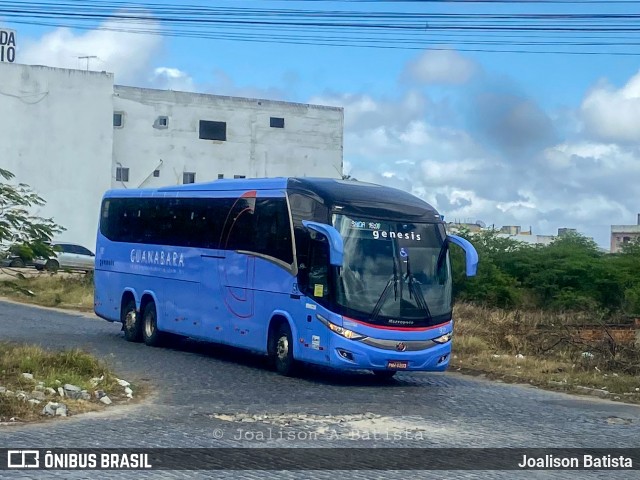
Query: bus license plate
x=397, y=365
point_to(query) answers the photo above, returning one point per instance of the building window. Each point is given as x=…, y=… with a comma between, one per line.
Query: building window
x=277, y=122
x=161, y=122
x=239, y=176
x=188, y=177
x=118, y=119
x=213, y=130
x=122, y=174
x=220, y=176
x=626, y=239
x=156, y=173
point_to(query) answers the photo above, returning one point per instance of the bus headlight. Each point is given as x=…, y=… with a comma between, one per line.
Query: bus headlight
x=339, y=330
x=444, y=338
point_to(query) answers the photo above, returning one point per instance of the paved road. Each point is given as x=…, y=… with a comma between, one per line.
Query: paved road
x=202, y=390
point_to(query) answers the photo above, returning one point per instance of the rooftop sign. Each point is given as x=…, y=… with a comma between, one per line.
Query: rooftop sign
x=7, y=45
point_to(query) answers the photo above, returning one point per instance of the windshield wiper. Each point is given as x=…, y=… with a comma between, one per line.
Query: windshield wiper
x=383, y=296
x=417, y=291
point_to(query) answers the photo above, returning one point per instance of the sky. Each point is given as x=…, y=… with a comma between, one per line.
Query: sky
x=541, y=140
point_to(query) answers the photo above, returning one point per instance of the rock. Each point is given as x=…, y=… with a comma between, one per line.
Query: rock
x=618, y=421
x=50, y=408
x=123, y=383
x=22, y=396
x=248, y=420
x=128, y=391
x=38, y=395
x=61, y=391
x=593, y=391
x=95, y=381
x=99, y=394
x=61, y=411
x=50, y=391
x=225, y=417
x=84, y=395
x=40, y=384
x=106, y=400
x=33, y=401
x=28, y=376
x=8, y=393
x=3, y=389
x=72, y=391
x=519, y=355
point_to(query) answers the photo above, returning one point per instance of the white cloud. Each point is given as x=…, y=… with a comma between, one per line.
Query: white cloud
x=613, y=115
x=440, y=67
x=127, y=55
x=466, y=170
x=172, y=79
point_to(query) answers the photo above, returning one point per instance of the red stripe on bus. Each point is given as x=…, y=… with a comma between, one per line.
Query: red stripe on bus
x=404, y=329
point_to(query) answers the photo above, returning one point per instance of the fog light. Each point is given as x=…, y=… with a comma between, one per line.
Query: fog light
x=443, y=359
x=344, y=354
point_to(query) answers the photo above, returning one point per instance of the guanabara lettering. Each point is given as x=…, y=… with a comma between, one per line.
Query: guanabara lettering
x=157, y=257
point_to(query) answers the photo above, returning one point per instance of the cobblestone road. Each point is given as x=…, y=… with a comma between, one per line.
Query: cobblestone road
x=208, y=396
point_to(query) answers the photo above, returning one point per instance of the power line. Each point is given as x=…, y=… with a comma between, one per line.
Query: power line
x=405, y=30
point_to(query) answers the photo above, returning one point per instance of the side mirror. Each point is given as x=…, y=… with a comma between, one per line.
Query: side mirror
x=471, y=256
x=336, y=245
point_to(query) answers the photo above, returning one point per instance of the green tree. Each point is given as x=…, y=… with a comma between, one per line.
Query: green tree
x=22, y=233
x=492, y=285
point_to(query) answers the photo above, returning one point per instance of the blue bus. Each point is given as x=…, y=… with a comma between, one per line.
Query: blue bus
x=340, y=273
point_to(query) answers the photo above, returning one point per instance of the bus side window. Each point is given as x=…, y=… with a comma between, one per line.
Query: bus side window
x=317, y=269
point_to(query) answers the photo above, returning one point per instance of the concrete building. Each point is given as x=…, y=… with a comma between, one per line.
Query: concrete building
x=513, y=232
x=72, y=134
x=621, y=234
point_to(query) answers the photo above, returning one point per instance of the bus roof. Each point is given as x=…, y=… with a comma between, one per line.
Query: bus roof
x=330, y=190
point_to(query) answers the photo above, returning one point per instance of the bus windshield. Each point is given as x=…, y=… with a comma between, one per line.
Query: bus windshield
x=394, y=273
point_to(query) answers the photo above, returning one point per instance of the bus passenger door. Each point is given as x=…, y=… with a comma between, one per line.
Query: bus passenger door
x=215, y=321
x=313, y=278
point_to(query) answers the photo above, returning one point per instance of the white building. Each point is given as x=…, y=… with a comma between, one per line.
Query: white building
x=623, y=234
x=72, y=134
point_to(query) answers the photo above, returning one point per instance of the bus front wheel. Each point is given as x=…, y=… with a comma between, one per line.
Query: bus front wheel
x=150, y=333
x=131, y=322
x=282, y=350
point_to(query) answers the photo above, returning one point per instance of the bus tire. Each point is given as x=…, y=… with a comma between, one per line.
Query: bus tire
x=384, y=374
x=283, y=350
x=150, y=333
x=131, y=325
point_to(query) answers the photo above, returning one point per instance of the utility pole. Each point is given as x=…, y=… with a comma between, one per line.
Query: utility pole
x=87, y=58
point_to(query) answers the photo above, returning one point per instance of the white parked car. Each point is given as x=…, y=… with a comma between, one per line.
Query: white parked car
x=68, y=256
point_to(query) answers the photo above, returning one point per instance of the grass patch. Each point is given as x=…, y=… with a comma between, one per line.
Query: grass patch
x=541, y=349
x=52, y=370
x=62, y=290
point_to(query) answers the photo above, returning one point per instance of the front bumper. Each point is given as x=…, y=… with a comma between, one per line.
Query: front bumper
x=353, y=354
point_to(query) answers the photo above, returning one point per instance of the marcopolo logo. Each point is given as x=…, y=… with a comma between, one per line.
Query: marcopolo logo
x=157, y=257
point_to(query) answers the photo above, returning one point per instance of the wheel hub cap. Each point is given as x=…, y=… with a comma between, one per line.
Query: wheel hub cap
x=130, y=320
x=283, y=348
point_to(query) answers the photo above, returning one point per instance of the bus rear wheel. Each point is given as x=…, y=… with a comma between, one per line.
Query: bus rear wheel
x=282, y=350
x=150, y=333
x=131, y=322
